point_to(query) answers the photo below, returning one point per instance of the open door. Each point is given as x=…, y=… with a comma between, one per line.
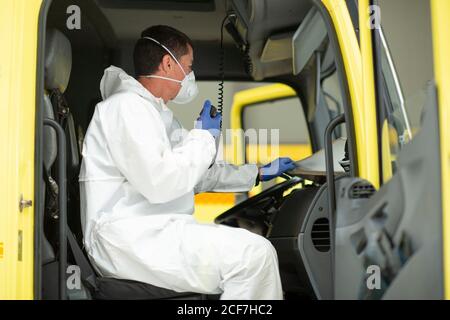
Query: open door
x=389, y=243
x=19, y=35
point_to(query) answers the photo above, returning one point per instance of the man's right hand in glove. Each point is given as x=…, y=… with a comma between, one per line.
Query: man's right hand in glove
x=206, y=122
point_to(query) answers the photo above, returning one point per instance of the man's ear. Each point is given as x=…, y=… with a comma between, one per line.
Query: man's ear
x=166, y=63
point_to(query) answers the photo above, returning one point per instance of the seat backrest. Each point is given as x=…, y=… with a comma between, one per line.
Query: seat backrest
x=58, y=65
x=49, y=136
x=58, y=61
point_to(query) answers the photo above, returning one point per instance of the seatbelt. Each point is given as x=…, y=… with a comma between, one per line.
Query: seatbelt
x=51, y=201
x=60, y=106
x=88, y=275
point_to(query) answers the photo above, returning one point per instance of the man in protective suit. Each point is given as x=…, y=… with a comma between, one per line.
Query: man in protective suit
x=139, y=176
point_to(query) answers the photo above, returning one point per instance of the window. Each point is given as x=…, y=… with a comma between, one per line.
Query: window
x=407, y=66
x=333, y=100
x=285, y=118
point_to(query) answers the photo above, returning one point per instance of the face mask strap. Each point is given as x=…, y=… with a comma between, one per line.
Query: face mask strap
x=165, y=48
x=159, y=77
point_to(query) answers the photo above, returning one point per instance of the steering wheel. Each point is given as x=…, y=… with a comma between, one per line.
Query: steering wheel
x=273, y=192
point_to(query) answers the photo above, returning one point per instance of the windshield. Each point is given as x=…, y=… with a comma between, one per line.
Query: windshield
x=395, y=107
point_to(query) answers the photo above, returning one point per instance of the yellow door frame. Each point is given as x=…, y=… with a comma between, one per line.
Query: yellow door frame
x=358, y=65
x=440, y=17
x=19, y=23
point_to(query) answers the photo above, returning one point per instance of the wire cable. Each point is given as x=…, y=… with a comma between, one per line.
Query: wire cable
x=221, y=70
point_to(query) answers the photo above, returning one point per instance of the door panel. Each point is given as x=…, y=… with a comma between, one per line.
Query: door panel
x=18, y=34
x=389, y=243
x=397, y=229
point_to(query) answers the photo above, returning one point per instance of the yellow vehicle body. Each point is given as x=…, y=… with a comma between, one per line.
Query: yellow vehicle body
x=359, y=71
x=19, y=34
x=440, y=10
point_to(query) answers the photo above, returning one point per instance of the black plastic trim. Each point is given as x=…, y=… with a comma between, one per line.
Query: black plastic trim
x=330, y=182
x=380, y=92
x=62, y=204
x=204, y=6
x=38, y=142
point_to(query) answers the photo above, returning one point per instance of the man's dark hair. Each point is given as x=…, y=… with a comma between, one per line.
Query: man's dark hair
x=148, y=54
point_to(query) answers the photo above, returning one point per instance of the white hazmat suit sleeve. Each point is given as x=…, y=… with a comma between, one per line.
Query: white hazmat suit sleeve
x=141, y=150
x=224, y=177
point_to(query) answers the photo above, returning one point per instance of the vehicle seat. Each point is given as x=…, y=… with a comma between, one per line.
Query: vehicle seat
x=58, y=64
x=49, y=157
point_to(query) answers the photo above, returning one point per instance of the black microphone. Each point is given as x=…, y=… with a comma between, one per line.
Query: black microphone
x=213, y=111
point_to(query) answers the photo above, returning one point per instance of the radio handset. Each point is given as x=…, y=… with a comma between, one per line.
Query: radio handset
x=213, y=113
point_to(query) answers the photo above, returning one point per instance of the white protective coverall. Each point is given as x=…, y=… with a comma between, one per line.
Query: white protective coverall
x=137, y=185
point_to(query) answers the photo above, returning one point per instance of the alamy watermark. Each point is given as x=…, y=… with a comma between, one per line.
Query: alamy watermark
x=373, y=281
x=239, y=146
x=73, y=281
x=374, y=21
x=73, y=21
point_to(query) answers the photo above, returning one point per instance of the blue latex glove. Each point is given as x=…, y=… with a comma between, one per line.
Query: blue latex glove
x=206, y=122
x=275, y=168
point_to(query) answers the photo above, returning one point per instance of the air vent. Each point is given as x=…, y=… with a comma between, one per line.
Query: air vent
x=320, y=235
x=361, y=190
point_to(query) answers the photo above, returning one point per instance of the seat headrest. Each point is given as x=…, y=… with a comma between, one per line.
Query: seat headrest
x=58, y=60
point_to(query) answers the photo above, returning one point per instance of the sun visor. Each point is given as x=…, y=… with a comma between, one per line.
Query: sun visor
x=307, y=39
x=278, y=47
